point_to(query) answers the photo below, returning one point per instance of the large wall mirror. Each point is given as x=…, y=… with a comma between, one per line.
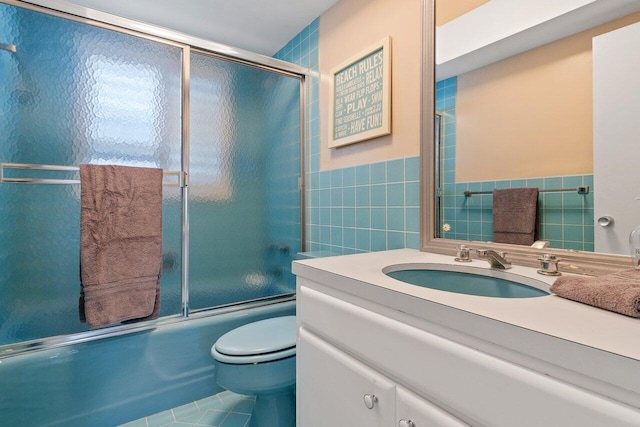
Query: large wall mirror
x=540, y=94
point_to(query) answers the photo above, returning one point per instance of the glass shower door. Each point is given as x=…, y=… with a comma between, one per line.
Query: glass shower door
x=71, y=93
x=74, y=93
x=244, y=201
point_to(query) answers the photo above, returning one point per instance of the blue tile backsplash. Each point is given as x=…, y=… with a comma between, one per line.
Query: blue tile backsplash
x=566, y=218
x=370, y=207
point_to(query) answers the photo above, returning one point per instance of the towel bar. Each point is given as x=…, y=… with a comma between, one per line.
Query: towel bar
x=579, y=190
x=181, y=182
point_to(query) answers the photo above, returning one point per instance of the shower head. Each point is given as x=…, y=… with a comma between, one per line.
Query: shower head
x=9, y=47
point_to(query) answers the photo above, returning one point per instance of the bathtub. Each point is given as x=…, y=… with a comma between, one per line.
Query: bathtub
x=116, y=380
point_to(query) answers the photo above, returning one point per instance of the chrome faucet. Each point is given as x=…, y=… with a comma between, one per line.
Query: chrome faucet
x=495, y=259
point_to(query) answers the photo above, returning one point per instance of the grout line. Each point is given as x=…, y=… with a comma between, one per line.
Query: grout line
x=227, y=416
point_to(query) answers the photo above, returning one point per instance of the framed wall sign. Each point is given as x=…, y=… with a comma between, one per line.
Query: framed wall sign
x=360, y=96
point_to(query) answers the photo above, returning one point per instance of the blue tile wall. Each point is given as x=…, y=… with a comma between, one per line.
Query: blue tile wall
x=370, y=207
x=566, y=218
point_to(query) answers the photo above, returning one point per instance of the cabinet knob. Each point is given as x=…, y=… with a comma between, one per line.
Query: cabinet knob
x=370, y=400
x=406, y=423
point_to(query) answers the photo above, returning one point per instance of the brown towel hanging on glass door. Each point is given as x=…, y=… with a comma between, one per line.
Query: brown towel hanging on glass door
x=120, y=243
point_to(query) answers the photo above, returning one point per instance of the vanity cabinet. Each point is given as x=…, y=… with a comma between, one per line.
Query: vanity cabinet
x=350, y=347
x=335, y=389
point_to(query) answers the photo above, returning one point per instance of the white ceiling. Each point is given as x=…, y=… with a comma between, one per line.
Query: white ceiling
x=261, y=26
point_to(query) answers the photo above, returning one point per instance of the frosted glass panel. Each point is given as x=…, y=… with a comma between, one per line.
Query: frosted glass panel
x=71, y=94
x=74, y=93
x=244, y=201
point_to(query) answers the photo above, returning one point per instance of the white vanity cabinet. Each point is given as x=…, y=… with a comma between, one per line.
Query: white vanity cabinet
x=351, y=347
x=338, y=390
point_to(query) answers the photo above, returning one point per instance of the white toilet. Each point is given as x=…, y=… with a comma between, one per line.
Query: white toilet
x=260, y=359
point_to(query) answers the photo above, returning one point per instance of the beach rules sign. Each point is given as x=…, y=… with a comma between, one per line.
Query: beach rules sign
x=360, y=96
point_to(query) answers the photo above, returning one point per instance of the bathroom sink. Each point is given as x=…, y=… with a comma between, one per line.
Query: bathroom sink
x=468, y=280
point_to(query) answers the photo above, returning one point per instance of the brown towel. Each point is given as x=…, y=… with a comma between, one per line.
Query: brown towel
x=619, y=292
x=515, y=215
x=120, y=243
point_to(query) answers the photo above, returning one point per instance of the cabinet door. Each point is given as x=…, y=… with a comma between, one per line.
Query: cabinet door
x=334, y=389
x=413, y=411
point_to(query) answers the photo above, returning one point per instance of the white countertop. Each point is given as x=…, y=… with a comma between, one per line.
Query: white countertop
x=556, y=317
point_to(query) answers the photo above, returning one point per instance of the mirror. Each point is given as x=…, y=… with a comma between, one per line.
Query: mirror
x=529, y=99
x=526, y=96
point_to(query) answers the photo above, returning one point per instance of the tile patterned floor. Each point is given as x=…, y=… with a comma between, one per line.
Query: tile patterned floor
x=224, y=409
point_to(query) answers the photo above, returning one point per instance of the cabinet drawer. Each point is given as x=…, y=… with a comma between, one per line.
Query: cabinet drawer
x=486, y=389
x=410, y=407
x=331, y=388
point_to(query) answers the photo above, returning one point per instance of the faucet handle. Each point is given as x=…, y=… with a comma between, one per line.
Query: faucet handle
x=463, y=254
x=549, y=265
x=484, y=252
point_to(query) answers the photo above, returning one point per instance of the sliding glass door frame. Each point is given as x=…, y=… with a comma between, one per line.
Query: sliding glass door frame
x=188, y=44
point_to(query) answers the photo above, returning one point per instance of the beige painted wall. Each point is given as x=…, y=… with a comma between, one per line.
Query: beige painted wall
x=529, y=115
x=346, y=29
x=447, y=10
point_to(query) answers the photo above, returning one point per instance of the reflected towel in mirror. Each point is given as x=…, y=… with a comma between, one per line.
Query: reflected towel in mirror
x=515, y=215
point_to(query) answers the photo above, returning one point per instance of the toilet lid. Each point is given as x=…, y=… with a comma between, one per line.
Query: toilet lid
x=261, y=337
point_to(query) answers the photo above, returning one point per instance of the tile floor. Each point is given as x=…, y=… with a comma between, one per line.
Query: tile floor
x=224, y=409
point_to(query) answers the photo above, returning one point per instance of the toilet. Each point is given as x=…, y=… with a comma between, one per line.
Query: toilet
x=259, y=359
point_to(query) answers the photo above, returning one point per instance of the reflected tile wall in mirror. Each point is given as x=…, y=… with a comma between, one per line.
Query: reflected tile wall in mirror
x=566, y=218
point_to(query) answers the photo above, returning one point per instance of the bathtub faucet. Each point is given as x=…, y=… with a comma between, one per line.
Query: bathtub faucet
x=495, y=259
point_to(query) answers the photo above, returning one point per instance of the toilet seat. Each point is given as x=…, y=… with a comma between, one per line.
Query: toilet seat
x=258, y=342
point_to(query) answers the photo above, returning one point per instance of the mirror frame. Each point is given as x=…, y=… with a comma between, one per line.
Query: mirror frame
x=580, y=262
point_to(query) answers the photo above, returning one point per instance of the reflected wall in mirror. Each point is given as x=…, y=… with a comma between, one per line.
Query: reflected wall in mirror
x=527, y=92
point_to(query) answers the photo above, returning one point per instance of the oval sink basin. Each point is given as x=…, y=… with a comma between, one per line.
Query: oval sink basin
x=468, y=280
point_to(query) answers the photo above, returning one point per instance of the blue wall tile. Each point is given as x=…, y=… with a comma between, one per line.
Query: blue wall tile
x=378, y=173
x=363, y=239
x=395, y=194
x=378, y=195
x=363, y=217
x=412, y=169
x=395, y=219
x=395, y=240
x=362, y=175
x=349, y=176
x=379, y=218
x=395, y=170
x=349, y=196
